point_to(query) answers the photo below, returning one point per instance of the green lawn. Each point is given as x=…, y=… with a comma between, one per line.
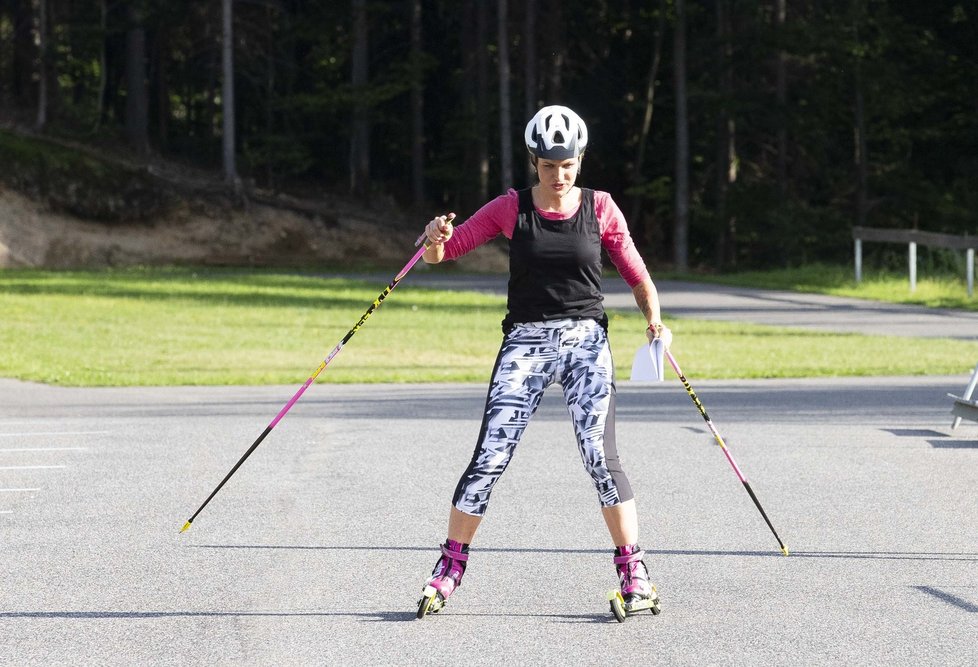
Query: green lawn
x=186, y=327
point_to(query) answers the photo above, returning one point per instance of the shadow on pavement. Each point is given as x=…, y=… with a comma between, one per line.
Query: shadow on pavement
x=950, y=599
x=953, y=444
x=854, y=555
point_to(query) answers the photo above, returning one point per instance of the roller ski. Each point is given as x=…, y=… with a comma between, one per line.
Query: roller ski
x=635, y=593
x=445, y=578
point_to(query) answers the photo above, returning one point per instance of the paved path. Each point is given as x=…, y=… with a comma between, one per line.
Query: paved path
x=315, y=552
x=815, y=311
x=741, y=304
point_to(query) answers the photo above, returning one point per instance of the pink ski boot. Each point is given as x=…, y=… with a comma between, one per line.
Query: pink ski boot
x=636, y=593
x=445, y=578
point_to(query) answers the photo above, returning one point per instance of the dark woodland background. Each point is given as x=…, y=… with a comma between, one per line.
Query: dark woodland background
x=733, y=133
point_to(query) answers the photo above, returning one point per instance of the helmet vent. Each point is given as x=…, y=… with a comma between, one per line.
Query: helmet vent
x=556, y=133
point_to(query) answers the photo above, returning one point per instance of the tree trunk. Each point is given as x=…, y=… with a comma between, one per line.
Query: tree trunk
x=558, y=48
x=417, y=106
x=860, y=147
x=137, y=107
x=505, y=123
x=636, y=210
x=861, y=156
x=290, y=68
x=163, y=105
x=360, y=139
x=530, y=101
x=680, y=241
x=207, y=111
x=227, y=94
x=22, y=64
x=781, y=94
x=42, y=65
x=482, y=96
x=270, y=59
x=726, y=168
x=103, y=65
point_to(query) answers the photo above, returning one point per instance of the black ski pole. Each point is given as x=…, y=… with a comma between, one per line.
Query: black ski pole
x=716, y=435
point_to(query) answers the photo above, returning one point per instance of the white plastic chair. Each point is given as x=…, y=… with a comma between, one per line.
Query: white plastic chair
x=964, y=407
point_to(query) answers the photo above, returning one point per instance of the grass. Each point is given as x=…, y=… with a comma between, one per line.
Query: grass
x=222, y=327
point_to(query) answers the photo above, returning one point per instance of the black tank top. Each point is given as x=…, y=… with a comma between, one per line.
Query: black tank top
x=555, y=265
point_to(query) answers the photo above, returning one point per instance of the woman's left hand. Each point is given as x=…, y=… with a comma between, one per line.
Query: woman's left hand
x=658, y=330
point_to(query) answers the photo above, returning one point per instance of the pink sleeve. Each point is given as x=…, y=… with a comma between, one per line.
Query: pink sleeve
x=499, y=215
x=617, y=241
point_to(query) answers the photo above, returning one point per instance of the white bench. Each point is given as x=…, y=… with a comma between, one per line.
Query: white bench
x=965, y=407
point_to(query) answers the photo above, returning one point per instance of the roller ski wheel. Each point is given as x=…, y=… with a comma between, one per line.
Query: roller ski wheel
x=622, y=608
x=617, y=606
x=431, y=602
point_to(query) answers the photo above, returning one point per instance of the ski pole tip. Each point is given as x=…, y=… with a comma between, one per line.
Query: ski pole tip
x=784, y=550
x=186, y=527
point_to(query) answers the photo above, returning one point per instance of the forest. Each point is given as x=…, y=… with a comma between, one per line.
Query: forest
x=732, y=133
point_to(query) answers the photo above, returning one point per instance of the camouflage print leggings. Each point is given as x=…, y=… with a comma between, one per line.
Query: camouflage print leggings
x=532, y=357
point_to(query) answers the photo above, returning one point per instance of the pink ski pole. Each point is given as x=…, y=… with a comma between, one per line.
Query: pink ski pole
x=726, y=452
x=336, y=350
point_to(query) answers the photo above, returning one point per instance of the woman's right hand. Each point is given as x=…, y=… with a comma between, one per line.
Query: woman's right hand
x=440, y=229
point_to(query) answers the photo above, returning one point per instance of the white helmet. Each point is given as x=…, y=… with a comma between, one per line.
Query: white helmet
x=556, y=133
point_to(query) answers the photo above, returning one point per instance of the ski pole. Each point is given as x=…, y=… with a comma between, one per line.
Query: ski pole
x=336, y=350
x=716, y=435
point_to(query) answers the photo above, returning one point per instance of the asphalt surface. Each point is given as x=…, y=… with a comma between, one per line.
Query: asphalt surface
x=316, y=551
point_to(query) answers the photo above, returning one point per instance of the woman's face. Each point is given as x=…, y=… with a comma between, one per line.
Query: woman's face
x=558, y=176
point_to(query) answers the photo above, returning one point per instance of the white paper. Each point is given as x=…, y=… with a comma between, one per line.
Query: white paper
x=647, y=365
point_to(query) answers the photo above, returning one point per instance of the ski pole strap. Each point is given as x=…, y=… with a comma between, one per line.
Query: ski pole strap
x=629, y=558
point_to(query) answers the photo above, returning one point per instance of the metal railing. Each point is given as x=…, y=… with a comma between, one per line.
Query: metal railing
x=912, y=238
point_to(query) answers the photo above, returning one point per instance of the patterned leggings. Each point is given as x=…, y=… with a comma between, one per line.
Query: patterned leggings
x=532, y=357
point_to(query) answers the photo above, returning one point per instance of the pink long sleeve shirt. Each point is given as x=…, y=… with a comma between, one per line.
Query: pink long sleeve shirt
x=499, y=217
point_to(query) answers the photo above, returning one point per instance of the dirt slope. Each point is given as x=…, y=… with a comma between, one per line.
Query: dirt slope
x=251, y=234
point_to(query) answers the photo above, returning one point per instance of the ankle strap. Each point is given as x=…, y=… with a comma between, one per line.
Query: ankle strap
x=454, y=555
x=629, y=558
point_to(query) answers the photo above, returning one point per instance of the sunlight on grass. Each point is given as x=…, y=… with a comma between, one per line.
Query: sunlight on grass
x=181, y=327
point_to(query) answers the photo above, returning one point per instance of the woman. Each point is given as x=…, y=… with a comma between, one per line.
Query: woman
x=555, y=331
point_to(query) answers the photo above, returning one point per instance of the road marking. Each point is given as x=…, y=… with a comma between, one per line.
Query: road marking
x=20, y=422
x=50, y=433
x=6, y=511
x=30, y=467
x=18, y=490
x=44, y=449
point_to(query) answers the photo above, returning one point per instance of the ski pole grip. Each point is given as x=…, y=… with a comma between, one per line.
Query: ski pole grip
x=424, y=236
